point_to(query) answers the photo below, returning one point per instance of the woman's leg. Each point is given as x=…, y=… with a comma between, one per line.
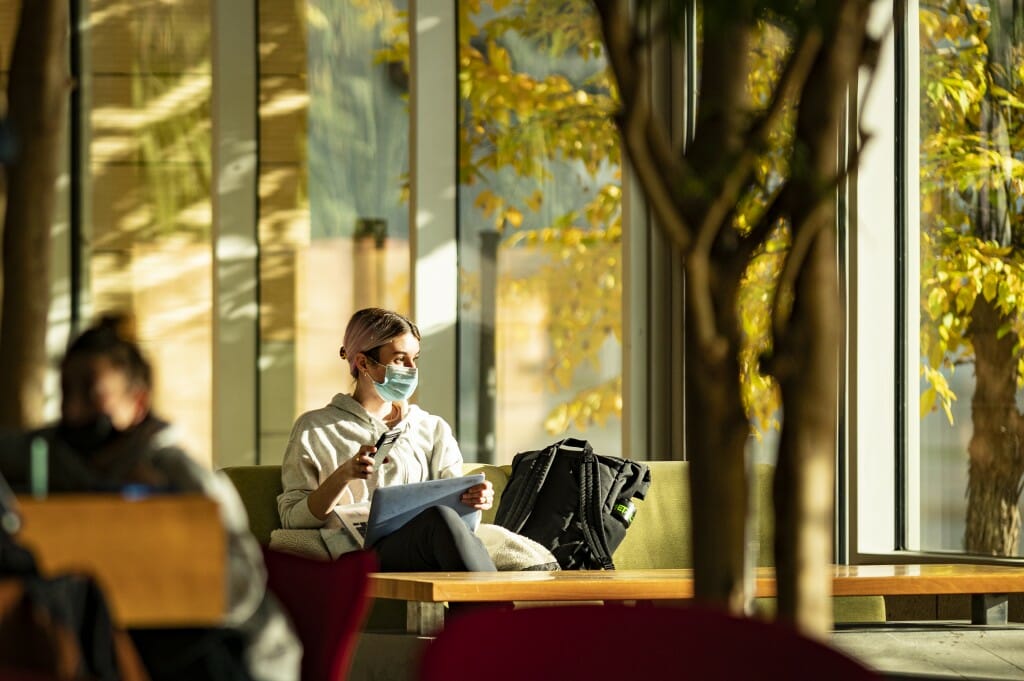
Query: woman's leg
x=435, y=540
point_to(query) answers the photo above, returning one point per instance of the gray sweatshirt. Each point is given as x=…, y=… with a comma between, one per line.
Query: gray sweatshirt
x=323, y=439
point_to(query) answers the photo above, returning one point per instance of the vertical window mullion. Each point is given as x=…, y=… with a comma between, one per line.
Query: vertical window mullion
x=908, y=136
x=234, y=239
x=433, y=197
x=872, y=330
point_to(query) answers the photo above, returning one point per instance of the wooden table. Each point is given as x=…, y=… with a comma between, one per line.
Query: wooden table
x=425, y=593
x=161, y=560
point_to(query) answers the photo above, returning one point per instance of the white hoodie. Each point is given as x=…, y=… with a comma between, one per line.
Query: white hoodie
x=323, y=439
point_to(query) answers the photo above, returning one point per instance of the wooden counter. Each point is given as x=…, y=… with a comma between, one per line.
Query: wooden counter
x=425, y=592
x=160, y=560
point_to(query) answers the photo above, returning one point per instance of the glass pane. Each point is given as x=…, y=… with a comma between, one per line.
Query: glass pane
x=146, y=192
x=334, y=214
x=540, y=231
x=972, y=276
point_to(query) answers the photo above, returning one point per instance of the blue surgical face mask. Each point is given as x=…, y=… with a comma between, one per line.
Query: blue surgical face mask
x=399, y=382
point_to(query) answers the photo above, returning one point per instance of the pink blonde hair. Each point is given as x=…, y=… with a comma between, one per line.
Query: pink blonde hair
x=371, y=328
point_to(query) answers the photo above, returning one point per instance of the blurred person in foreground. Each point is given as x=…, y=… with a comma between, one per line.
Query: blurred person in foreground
x=109, y=440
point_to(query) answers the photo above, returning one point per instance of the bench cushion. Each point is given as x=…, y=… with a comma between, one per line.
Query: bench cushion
x=258, y=486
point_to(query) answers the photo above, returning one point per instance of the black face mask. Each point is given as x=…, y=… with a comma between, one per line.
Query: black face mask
x=87, y=438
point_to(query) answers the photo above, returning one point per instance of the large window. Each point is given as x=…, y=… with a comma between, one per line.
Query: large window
x=972, y=276
x=533, y=328
x=539, y=307
x=935, y=272
x=334, y=219
x=540, y=231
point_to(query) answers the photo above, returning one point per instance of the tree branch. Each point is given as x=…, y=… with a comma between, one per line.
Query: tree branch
x=660, y=144
x=759, y=232
x=632, y=71
x=803, y=235
x=698, y=276
x=791, y=82
x=816, y=178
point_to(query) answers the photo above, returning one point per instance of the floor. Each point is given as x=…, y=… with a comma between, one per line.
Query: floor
x=931, y=650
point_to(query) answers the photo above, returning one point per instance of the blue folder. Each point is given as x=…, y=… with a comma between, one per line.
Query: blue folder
x=393, y=506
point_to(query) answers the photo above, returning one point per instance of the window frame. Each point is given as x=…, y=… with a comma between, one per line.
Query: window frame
x=884, y=493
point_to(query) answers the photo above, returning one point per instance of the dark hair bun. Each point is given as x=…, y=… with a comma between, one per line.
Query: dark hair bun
x=122, y=325
x=113, y=336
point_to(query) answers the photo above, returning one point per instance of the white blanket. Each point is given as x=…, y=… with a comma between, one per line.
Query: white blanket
x=511, y=551
x=307, y=543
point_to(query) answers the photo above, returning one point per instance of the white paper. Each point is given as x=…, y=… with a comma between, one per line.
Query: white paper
x=354, y=518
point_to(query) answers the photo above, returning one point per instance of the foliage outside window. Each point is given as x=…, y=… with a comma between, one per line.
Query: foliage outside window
x=540, y=228
x=537, y=99
x=972, y=275
x=757, y=288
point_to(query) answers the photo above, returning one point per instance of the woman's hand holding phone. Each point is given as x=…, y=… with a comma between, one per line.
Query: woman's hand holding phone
x=384, y=443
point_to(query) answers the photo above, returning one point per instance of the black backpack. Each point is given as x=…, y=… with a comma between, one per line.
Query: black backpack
x=575, y=502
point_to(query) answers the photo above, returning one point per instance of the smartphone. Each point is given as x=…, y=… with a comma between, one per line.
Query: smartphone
x=384, y=443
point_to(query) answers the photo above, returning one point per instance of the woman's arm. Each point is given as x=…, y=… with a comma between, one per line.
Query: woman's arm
x=326, y=496
x=299, y=472
x=305, y=501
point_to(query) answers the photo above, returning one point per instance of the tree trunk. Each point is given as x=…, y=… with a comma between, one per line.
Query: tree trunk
x=695, y=200
x=37, y=96
x=996, y=449
x=717, y=425
x=804, y=483
x=716, y=437
x=807, y=341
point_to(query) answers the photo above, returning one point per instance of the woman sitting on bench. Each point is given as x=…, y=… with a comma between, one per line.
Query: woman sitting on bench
x=329, y=462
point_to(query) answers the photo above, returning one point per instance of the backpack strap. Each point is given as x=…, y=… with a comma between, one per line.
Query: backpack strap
x=515, y=514
x=644, y=484
x=590, y=509
x=574, y=443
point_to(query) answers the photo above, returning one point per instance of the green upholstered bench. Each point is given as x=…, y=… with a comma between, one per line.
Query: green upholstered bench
x=658, y=538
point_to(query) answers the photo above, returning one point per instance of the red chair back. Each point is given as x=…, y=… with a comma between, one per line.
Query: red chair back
x=621, y=642
x=327, y=602
x=19, y=675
